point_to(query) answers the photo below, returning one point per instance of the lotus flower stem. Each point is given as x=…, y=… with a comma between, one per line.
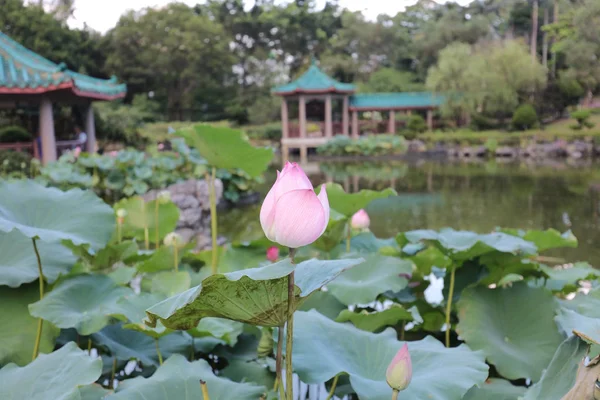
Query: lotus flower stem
x=289, y=371
x=449, y=304
x=279, y=362
x=146, y=232
x=113, y=373
x=38, y=336
x=395, y=394
x=119, y=231
x=158, y=353
x=176, y=260
x=204, y=390
x=348, y=238
x=156, y=236
x=89, y=345
x=333, y=386
x=213, y=217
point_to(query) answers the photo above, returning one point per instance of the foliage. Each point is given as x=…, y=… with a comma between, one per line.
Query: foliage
x=583, y=120
x=372, y=145
x=12, y=134
x=391, y=80
x=270, y=131
x=17, y=164
x=524, y=117
x=416, y=124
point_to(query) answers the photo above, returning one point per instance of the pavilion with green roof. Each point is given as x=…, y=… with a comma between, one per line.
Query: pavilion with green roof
x=28, y=79
x=314, y=86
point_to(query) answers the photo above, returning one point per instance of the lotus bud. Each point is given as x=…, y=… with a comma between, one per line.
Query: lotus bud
x=121, y=214
x=164, y=197
x=272, y=253
x=360, y=220
x=173, y=239
x=399, y=372
x=292, y=213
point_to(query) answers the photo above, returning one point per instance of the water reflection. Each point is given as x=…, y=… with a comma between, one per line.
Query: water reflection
x=478, y=196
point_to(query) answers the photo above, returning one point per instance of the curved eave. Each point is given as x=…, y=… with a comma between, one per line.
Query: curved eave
x=62, y=86
x=331, y=90
x=381, y=108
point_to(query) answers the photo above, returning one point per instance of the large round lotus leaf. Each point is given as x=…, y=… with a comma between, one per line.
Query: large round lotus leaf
x=256, y=296
x=465, y=245
x=514, y=327
x=223, y=329
x=53, y=376
x=93, y=392
x=325, y=303
x=125, y=344
x=324, y=348
x=179, y=379
x=363, y=283
x=84, y=302
x=374, y=322
x=495, y=389
x=336, y=228
x=132, y=309
x=18, y=332
x=227, y=148
x=350, y=203
x=18, y=263
x=170, y=283
x=548, y=239
x=53, y=215
x=141, y=214
x=573, y=323
x=588, y=305
x=559, y=278
x=559, y=376
x=366, y=242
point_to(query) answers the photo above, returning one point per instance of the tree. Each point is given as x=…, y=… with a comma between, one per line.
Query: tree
x=391, y=80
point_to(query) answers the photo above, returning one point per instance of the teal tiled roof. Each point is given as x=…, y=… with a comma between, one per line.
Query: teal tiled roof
x=396, y=100
x=314, y=81
x=24, y=72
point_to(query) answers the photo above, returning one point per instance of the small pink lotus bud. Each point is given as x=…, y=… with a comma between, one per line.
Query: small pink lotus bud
x=399, y=373
x=77, y=151
x=272, y=253
x=360, y=220
x=161, y=146
x=292, y=213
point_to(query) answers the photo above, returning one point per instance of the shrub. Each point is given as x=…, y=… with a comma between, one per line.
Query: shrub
x=416, y=124
x=265, y=132
x=524, y=117
x=372, y=145
x=582, y=117
x=14, y=134
x=482, y=123
x=17, y=164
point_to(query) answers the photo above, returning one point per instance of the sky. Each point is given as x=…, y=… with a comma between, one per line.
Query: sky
x=101, y=15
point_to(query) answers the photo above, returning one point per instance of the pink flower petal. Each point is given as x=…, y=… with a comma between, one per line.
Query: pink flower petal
x=292, y=178
x=300, y=218
x=325, y=203
x=267, y=211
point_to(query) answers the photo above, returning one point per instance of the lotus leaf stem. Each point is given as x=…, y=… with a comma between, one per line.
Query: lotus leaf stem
x=146, y=232
x=204, y=390
x=119, y=232
x=333, y=386
x=449, y=304
x=289, y=372
x=113, y=373
x=156, y=235
x=89, y=346
x=158, y=353
x=213, y=217
x=38, y=336
x=176, y=255
x=348, y=238
x=395, y=394
x=279, y=362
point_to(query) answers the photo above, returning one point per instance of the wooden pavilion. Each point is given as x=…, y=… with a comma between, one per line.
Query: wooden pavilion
x=29, y=80
x=314, y=88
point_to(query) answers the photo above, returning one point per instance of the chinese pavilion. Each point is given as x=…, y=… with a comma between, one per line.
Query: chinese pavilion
x=314, y=86
x=27, y=79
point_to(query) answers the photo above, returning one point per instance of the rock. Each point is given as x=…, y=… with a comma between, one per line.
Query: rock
x=202, y=194
x=416, y=146
x=184, y=201
x=190, y=218
x=506, y=151
x=187, y=234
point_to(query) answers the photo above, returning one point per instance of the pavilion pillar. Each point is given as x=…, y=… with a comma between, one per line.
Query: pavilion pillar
x=430, y=119
x=392, y=123
x=302, y=116
x=354, y=124
x=90, y=129
x=328, y=119
x=284, y=119
x=345, y=113
x=47, y=137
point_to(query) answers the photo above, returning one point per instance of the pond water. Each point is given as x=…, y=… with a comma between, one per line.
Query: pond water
x=476, y=195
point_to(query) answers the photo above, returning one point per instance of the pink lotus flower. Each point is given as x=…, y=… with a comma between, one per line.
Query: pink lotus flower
x=292, y=213
x=399, y=373
x=272, y=253
x=161, y=146
x=77, y=151
x=360, y=220
x=113, y=153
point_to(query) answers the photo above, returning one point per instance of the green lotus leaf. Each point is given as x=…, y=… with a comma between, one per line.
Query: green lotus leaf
x=256, y=296
x=179, y=379
x=559, y=278
x=325, y=303
x=53, y=215
x=18, y=263
x=227, y=331
x=84, y=302
x=573, y=323
x=163, y=259
x=141, y=214
x=364, y=356
x=363, y=283
x=465, y=245
x=545, y=240
x=495, y=389
x=336, y=228
x=349, y=203
x=588, y=305
x=170, y=283
x=55, y=376
x=559, y=376
x=366, y=242
x=17, y=335
x=227, y=148
x=514, y=327
x=376, y=321
x=93, y=392
x=123, y=275
x=132, y=310
x=126, y=344
x=430, y=257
